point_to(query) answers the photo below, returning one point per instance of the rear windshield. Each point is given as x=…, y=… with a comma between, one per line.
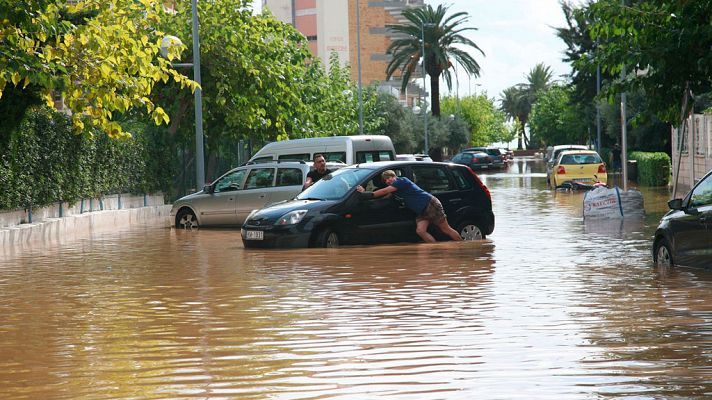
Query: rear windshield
x=573, y=159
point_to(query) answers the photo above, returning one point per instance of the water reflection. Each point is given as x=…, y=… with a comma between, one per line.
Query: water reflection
x=547, y=307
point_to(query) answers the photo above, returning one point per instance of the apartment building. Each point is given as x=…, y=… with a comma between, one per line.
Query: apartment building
x=331, y=26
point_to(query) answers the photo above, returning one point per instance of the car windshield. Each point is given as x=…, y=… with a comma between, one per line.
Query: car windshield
x=336, y=184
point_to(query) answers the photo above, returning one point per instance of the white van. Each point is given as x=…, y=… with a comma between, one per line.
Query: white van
x=346, y=149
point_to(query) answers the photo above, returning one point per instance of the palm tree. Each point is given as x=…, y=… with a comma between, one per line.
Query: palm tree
x=441, y=35
x=518, y=100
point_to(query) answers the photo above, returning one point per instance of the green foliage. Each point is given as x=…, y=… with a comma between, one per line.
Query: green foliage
x=45, y=162
x=653, y=168
x=100, y=56
x=663, y=46
x=556, y=120
x=486, y=122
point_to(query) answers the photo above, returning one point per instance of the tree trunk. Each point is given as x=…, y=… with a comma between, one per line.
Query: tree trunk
x=435, y=95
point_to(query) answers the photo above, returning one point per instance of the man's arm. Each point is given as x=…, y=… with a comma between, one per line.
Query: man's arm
x=384, y=191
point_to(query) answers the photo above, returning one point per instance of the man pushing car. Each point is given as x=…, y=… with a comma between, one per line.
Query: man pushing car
x=427, y=208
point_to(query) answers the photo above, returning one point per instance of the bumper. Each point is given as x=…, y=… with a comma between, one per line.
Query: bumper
x=277, y=239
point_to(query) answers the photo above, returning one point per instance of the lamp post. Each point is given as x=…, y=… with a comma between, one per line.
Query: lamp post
x=425, y=109
x=358, y=58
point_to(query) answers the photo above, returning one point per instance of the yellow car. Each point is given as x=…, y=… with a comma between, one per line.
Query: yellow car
x=579, y=166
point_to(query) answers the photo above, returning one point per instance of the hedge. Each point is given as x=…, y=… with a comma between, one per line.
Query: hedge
x=653, y=168
x=45, y=162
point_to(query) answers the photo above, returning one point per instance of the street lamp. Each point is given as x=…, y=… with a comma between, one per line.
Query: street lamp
x=169, y=41
x=358, y=58
x=422, y=53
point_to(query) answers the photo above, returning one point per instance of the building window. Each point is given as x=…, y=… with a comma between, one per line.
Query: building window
x=311, y=38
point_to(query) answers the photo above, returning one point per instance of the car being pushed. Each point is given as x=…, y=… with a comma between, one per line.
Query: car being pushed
x=582, y=167
x=332, y=212
x=684, y=236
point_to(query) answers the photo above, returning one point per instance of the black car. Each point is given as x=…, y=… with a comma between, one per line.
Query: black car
x=684, y=236
x=473, y=159
x=499, y=160
x=332, y=212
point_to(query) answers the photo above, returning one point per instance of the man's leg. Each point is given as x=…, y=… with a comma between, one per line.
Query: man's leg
x=421, y=228
x=447, y=229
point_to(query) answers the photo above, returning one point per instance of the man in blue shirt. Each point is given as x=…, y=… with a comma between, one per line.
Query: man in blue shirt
x=426, y=206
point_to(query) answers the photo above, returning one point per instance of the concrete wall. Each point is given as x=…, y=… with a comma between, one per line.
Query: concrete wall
x=81, y=221
x=695, y=160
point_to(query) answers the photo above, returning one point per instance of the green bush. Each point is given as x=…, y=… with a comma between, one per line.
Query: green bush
x=653, y=168
x=45, y=162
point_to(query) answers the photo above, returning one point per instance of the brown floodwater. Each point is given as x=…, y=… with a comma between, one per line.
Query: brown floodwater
x=547, y=307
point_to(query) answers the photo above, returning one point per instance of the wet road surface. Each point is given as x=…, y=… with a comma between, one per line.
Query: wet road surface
x=546, y=307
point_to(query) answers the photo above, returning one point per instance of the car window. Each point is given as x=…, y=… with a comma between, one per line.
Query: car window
x=296, y=157
x=458, y=157
x=289, y=177
x=336, y=184
x=376, y=182
x=461, y=178
x=260, y=178
x=432, y=179
x=335, y=156
x=702, y=195
x=372, y=156
x=231, y=181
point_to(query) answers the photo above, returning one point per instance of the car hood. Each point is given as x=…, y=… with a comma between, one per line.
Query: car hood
x=274, y=211
x=189, y=197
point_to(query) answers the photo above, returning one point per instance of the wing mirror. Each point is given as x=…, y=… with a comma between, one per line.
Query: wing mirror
x=675, y=204
x=208, y=189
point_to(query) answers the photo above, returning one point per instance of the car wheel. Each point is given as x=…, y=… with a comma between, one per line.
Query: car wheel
x=186, y=219
x=663, y=255
x=327, y=238
x=470, y=231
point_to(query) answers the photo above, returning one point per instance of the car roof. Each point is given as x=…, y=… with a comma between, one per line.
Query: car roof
x=382, y=164
x=578, y=152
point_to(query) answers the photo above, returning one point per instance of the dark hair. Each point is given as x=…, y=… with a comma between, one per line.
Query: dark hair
x=317, y=155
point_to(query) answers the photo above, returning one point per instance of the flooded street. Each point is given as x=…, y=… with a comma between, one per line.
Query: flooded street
x=546, y=307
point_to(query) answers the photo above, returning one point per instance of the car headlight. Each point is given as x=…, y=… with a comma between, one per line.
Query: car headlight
x=291, y=218
x=253, y=212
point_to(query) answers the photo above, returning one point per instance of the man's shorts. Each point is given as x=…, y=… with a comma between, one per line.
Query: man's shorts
x=433, y=213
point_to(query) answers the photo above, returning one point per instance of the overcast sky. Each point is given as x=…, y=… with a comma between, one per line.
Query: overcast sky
x=515, y=35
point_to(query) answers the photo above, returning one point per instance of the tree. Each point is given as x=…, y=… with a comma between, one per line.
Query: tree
x=486, y=123
x=101, y=57
x=556, y=120
x=663, y=45
x=514, y=106
x=442, y=34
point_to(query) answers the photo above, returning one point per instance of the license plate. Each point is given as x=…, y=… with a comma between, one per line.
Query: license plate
x=254, y=235
x=583, y=180
x=485, y=166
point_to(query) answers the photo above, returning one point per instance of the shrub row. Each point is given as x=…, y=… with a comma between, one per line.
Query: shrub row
x=45, y=162
x=653, y=168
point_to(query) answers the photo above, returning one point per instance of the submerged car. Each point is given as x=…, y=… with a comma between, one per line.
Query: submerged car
x=684, y=235
x=231, y=197
x=332, y=212
x=499, y=158
x=579, y=166
x=553, y=153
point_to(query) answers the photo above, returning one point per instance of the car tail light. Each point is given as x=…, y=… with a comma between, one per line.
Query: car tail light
x=561, y=170
x=602, y=169
x=482, y=185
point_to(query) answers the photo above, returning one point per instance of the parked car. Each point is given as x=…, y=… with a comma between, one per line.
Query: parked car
x=498, y=159
x=552, y=154
x=413, y=157
x=230, y=198
x=332, y=212
x=476, y=160
x=346, y=149
x=684, y=235
x=578, y=166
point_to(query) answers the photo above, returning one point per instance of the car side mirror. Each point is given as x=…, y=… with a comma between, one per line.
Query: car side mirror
x=208, y=189
x=675, y=204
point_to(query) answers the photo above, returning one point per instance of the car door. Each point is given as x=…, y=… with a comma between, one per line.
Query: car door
x=218, y=207
x=382, y=220
x=289, y=183
x=256, y=192
x=693, y=230
x=436, y=180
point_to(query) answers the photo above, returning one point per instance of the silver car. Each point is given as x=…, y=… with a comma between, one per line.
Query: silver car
x=231, y=197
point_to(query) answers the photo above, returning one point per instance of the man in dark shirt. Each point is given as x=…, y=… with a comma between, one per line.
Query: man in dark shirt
x=318, y=172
